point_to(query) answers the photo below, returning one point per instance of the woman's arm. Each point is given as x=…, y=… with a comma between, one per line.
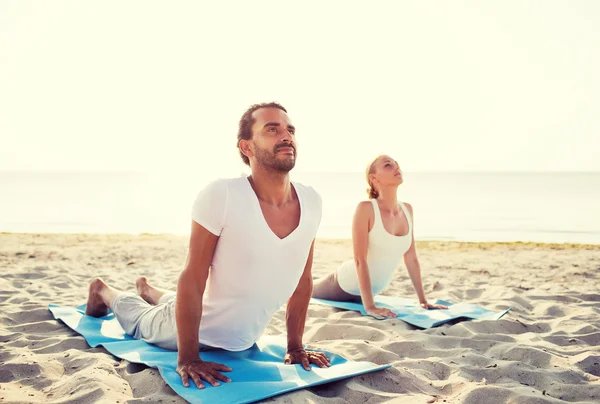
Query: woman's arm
x=360, y=242
x=414, y=268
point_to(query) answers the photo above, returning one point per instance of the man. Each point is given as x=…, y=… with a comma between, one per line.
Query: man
x=251, y=249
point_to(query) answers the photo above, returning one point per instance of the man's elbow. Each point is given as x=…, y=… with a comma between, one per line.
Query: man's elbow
x=189, y=281
x=309, y=287
x=184, y=277
x=303, y=291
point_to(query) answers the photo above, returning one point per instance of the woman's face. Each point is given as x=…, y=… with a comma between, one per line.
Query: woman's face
x=386, y=172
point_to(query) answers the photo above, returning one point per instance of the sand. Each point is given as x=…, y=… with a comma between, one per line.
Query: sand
x=546, y=350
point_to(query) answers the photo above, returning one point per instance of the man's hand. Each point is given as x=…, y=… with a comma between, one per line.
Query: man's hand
x=380, y=312
x=306, y=358
x=429, y=306
x=199, y=370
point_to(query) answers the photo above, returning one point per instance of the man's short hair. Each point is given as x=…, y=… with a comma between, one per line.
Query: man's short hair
x=246, y=122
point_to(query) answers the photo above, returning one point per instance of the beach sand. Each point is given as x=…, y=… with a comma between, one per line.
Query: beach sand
x=545, y=350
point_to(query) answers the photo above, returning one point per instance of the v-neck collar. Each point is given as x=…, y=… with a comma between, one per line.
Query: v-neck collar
x=263, y=220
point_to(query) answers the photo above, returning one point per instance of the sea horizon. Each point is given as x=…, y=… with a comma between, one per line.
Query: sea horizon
x=470, y=206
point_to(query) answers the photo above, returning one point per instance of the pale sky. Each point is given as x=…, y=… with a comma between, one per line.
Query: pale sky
x=439, y=85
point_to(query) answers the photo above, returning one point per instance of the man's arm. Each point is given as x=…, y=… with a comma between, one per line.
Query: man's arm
x=297, y=308
x=188, y=310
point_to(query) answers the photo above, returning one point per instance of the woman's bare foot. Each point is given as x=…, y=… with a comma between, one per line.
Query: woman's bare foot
x=148, y=292
x=95, y=305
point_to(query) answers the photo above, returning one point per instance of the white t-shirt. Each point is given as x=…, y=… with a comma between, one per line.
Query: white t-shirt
x=253, y=272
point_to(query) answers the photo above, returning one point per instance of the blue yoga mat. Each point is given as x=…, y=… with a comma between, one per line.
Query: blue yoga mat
x=257, y=373
x=410, y=311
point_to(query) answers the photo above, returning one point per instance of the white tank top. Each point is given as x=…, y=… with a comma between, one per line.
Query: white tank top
x=384, y=254
x=253, y=271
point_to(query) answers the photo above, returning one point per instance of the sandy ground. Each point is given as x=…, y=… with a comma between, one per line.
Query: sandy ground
x=546, y=350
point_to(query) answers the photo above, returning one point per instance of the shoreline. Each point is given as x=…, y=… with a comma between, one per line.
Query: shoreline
x=421, y=244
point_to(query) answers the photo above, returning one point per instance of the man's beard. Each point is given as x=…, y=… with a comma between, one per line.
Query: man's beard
x=270, y=160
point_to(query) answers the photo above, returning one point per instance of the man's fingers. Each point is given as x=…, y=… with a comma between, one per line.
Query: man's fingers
x=287, y=360
x=221, y=368
x=220, y=376
x=185, y=379
x=306, y=363
x=209, y=378
x=197, y=380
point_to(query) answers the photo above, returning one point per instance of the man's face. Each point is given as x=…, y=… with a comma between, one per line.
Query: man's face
x=273, y=139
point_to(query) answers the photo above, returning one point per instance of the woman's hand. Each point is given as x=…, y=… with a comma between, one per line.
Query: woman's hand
x=380, y=312
x=429, y=306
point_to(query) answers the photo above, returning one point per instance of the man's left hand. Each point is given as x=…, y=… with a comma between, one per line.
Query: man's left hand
x=306, y=358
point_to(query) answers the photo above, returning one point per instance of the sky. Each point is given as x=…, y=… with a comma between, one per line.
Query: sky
x=440, y=86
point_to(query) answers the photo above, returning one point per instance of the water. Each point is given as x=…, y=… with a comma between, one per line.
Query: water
x=542, y=207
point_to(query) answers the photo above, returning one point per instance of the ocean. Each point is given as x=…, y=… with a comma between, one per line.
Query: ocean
x=538, y=207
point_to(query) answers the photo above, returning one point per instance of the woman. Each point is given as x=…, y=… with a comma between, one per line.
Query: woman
x=381, y=236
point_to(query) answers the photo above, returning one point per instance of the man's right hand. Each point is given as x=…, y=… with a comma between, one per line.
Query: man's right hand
x=381, y=312
x=199, y=370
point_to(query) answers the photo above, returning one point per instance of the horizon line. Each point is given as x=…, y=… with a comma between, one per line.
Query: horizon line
x=457, y=171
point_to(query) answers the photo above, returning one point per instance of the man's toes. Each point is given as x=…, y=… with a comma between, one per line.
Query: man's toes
x=141, y=285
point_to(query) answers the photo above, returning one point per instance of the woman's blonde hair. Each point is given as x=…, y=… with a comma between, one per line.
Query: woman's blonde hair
x=371, y=191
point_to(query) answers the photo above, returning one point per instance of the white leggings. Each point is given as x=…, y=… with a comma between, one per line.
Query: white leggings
x=153, y=324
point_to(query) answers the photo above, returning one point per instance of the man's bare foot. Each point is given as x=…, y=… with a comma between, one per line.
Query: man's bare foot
x=141, y=284
x=148, y=292
x=95, y=306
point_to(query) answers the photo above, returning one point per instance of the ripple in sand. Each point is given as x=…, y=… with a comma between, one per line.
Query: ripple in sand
x=19, y=371
x=427, y=369
x=326, y=331
x=418, y=350
x=590, y=364
x=30, y=316
x=531, y=356
x=487, y=395
x=48, y=327
x=7, y=294
x=570, y=385
x=36, y=274
x=62, y=345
